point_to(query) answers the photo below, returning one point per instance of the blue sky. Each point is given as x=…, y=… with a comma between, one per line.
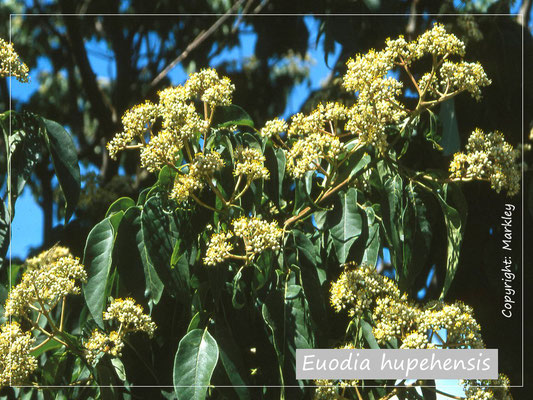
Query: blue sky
x=27, y=226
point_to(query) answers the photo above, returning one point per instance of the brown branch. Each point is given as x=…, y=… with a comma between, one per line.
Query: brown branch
x=99, y=103
x=202, y=36
x=525, y=11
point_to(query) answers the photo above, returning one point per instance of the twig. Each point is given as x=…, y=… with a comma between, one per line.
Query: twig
x=202, y=36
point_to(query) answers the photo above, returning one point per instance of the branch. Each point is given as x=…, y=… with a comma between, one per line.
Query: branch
x=202, y=36
x=99, y=103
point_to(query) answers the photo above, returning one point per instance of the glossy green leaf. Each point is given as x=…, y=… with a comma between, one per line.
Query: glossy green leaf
x=287, y=315
x=65, y=160
x=179, y=263
x=194, y=364
x=455, y=219
x=450, y=141
x=373, y=241
x=25, y=151
x=121, y=204
x=160, y=234
x=153, y=285
x=368, y=334
x=231, y=115
x=97, y=260
x=5, y=221
x=232, y=361
x=345, y=223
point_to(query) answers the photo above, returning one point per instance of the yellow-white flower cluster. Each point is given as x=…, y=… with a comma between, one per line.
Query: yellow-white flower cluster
x=363, y=289
x=461, y=328
x=273, y=127
x=130, y=318
x=10, y=63
x=46, y=283
x=16, y=361
x=219, y=248
x=250, y=162
x=463, y=76
x=357, y=289
x=394, y=318
x=488, y=157
x=327, y=389
x=257, y=235
x=488, y=389
x=377, y=102
x=317, y=138
x=51, y=255
x=100, y=343
x=201, y=170
x=209, y=87
x=130, y=315
x=180, y=120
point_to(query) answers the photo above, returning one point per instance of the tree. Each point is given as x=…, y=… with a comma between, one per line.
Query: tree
x=106, y=105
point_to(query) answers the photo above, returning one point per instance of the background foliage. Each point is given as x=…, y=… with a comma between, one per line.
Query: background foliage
x=91, y=109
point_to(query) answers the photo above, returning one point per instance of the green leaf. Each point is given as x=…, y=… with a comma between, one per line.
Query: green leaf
x=195, y=322
x=373, y=241
x=25, y=151
x=433, y=135
x=232, y=361
x=231, y=115
x=65, y=160
x=51, y=345
x=97, y=260
x=119, y=368
x=194, y=364
x=368, y=334
x=450, y=142
x=5, y=221
x=166, y=176
x=180, y=267
x=313, y=277
x=345, y=223
x=160, y=234
x=287, y=315
x=128, y=259
x=455, y=219
x=154, y=286
x=121, y=204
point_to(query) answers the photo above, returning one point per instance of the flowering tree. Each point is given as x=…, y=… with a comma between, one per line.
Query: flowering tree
x=253, y=242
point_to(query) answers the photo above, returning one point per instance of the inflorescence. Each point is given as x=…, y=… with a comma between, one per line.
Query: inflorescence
x=257, y=235
x=129, y=317
x=488, y=157
x=180, y=120
x=363, y=290
x=45, y=283
x=10, y=63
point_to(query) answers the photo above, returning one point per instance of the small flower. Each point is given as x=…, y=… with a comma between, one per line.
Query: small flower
x=10, y=63
x=219, y=248
x=258, y=235
x=184, y=187
x=205, y=165
x=358, y=289
x=488, y=157
x=274, y=127
x=250, y=163
x=47, y=283
x=16, y=361
x=130, y=315
x=212, y=89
